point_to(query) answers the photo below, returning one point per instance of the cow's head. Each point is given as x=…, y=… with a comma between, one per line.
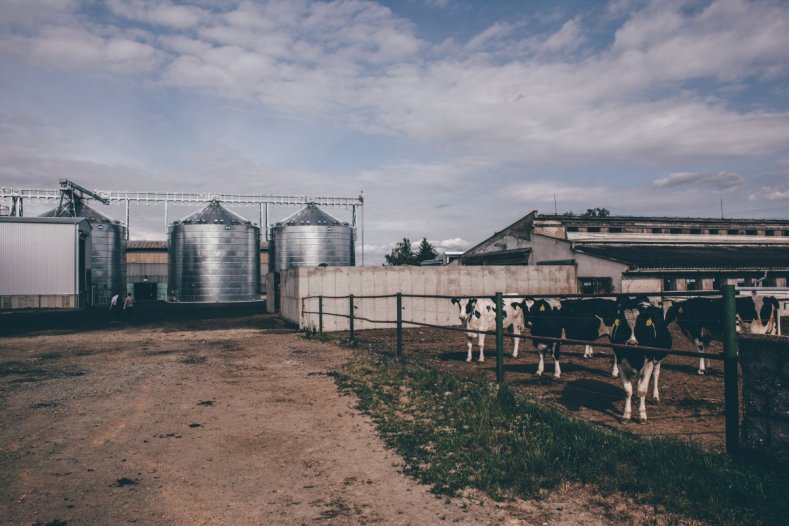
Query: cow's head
x=466, y=308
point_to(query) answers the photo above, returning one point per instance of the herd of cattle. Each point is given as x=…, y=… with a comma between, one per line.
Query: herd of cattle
x=632, y=321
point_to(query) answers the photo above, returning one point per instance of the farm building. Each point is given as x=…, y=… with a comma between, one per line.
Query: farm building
x=632, y=254
x=45, y=262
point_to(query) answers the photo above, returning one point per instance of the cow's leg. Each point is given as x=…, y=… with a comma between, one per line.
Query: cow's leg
x=588, y=351
x=481, y=347
x=541, y=348
x=700, y=347
x=656, y=374
x=470, y=344
x=643, y=386
x=557, y=370
x=615, y=368
x=515, y=341
x=628, y=385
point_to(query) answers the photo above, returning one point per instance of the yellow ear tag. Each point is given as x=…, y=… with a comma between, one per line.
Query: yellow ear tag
x=649, y=322
x=680, y=310
x=542, y=308
x=616, y=323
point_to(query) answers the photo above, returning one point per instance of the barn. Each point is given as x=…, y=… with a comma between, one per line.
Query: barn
x=636, y=254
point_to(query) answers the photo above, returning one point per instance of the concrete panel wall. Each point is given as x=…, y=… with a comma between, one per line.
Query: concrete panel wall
x=300, y=283
x=765, y=375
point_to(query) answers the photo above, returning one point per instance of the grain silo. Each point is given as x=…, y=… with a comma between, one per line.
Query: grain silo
x=311, y=237
x=107, y=250
x=214, y=257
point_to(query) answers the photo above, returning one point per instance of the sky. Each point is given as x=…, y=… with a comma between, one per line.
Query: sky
x=454, y=118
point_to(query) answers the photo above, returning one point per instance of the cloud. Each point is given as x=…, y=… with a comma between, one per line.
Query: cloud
x=162, y=13
x=770, y=194
x=718, y=181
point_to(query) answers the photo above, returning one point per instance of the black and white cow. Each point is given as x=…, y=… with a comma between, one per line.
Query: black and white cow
x=479, y=314
x=589, y=319
x=699, y=319
x=638, y=322
x=545, y=320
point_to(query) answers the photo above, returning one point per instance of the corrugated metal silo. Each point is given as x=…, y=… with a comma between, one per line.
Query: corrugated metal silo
x=214, y=257
x=107, y=252
x=309, y=238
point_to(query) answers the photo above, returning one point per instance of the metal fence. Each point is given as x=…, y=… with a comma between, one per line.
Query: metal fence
x=728, y=324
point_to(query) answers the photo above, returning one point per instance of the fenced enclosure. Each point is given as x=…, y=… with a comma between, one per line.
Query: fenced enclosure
x=724, y=407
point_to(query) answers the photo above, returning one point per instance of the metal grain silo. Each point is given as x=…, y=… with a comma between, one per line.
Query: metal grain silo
x=107, y=251
x=214, y=257
x=309, y=238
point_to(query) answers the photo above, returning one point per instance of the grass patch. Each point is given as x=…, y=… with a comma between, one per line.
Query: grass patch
x=455, y=433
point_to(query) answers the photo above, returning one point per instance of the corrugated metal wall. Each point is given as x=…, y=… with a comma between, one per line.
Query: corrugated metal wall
x=38, y=258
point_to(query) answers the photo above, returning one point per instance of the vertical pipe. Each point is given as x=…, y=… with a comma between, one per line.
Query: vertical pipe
x=165, y=215
x=267, y=239
x=499, y=338
x=351, y=336
x=730, y=374
x=127, y=219
x=400, y=325
x=320, y=314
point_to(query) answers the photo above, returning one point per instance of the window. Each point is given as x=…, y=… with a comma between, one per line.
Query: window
x=693, y=284
x=657, y=230
x=615, y=230
x=593, y=229
x=769, y=232
x=669, y=284
x=674, y=230
x=750, y=232
x=595, y=285
x=732, y=231
x=572, y=229
x=695, y=231
x=786, y=232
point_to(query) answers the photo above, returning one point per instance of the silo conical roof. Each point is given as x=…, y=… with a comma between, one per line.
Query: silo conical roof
x=311, y=215
x=214, y=212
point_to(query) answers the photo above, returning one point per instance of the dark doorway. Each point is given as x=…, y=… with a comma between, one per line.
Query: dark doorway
x=145, y=291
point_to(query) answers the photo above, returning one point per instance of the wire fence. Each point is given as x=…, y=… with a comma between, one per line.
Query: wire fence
x=726, y=320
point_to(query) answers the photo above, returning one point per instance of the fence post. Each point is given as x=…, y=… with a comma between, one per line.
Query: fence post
x=499, y=338
x=730, y=373
x=351, y=337
x=320, y=315
x=399, y=325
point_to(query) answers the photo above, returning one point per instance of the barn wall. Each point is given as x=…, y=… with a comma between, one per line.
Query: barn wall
x=299, y=283
x=549, y=249
x=765, y=375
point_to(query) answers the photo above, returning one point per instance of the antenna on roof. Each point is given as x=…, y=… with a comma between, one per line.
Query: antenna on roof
x=555, y=210
x=721, y=208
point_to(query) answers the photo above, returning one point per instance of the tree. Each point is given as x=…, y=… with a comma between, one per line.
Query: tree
x=402, y=254
x=426, y=251
x=596, y=212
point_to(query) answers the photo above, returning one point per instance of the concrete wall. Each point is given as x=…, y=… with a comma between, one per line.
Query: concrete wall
x=765, y=377
x=36, y=301
x=299, y=283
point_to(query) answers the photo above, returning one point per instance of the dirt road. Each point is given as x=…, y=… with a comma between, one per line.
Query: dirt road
x=237, y=426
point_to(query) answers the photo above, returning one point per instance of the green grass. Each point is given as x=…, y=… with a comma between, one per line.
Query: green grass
x=456, y=433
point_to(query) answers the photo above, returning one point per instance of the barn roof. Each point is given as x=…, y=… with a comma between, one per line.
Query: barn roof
x=653, y=257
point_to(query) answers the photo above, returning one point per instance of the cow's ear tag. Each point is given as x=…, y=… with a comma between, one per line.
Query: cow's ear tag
x=516, y=306
x=680, y=310
x=649, y=322
x=616, y=323
x=542, y=308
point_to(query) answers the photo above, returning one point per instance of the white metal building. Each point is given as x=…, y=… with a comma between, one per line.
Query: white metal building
x=44, y=262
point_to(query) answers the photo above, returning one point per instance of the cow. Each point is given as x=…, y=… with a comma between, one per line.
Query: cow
x=545, y=320
x=639, y=322
x=699, y=319
x=589, y=319
x=479, y=314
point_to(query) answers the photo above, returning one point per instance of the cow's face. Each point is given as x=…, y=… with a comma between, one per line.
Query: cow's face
x=622, y=331
x=541, y=308
x=650, y=327
x=466, y=308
